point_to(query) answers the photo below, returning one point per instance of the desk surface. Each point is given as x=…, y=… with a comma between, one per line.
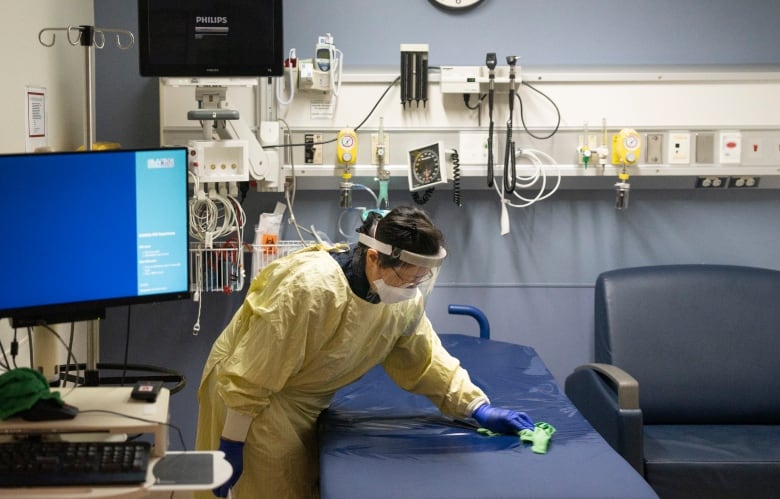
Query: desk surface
x=88, y=398
x=379, y=441
x=126, y=415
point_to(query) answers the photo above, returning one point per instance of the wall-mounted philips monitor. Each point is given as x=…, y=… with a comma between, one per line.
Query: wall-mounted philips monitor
x=83, y=231
x=210, y=38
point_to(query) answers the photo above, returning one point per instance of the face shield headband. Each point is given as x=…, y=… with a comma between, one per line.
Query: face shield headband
x=427, y=261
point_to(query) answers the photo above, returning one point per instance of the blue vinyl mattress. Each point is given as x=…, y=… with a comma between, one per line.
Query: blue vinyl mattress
x=379, y=441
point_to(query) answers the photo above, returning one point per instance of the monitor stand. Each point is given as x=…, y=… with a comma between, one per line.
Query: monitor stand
x=91, y=373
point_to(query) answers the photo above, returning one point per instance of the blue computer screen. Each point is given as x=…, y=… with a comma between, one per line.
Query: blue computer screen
x=87, y=230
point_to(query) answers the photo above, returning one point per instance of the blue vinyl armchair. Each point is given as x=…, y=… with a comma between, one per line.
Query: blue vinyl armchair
x=686, y=379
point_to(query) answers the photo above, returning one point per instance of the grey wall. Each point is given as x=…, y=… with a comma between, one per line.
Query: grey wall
x=535, y=284
x=544, y=32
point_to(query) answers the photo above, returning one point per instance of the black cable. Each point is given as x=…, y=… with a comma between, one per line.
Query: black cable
x=490, y=62
x=30, y=347
x=467, y=101
x=14, y=349
x=522, y=116
x=69, y=353
x=456, y=178
x=5, y=365
x=397, y=79
x=424, y=198
x=158, y=374
x=510, y=169
x=377, y=103
x=127, y=346
x=70, y=347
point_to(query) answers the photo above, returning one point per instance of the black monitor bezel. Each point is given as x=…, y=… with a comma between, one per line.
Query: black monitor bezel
x=260, y=68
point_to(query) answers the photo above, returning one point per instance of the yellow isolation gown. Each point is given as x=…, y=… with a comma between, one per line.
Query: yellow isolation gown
x=300, y=335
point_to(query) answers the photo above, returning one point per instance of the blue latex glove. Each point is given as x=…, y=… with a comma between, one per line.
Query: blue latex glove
x=502, y=420
x=234, y=454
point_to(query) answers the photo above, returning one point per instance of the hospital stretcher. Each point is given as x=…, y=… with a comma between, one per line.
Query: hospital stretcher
x=378, y=441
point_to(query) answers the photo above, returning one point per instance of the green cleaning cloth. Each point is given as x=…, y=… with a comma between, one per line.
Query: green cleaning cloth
x=20, y=389
x=539, y=437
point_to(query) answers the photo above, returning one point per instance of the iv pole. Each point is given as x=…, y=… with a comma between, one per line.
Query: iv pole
x=90, y=38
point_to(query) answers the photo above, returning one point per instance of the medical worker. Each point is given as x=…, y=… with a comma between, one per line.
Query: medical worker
x=314, y=322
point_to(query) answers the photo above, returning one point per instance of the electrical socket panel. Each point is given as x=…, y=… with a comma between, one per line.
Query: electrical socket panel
x=312, y=149
x=761, y=148
x=729, y=148
x=679, y=148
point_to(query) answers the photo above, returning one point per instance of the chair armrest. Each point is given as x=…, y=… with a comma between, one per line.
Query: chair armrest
x=627, y=387
x=608, y=398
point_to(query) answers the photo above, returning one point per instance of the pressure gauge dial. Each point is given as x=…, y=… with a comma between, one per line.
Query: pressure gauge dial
x=631, y=142
x=427, y=167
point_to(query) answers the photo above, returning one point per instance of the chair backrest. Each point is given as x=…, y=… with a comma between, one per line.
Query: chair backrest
x=702, y=340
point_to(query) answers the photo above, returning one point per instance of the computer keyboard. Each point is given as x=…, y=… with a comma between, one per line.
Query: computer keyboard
x=25, y=463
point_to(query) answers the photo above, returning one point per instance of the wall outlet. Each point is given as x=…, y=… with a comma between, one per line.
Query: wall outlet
x=679, y=148
x=712, y=182
x=761, y=148
x=729, y=148
x=744, y=182
x=312, y=149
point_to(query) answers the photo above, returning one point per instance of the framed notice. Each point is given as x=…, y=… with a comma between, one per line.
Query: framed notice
x=35, y=119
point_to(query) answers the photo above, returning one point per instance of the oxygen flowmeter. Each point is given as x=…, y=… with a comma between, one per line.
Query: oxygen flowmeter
x=346, y=154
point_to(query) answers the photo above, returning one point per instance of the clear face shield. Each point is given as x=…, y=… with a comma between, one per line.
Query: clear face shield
x=408, y=283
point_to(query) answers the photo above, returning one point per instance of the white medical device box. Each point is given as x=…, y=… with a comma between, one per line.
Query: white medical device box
x=219, y=160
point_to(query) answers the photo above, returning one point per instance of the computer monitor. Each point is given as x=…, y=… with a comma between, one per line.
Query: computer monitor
x=210, y=38
x=83, y=231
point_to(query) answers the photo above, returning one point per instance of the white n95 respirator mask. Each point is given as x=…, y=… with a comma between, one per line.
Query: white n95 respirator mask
x=393, y=294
